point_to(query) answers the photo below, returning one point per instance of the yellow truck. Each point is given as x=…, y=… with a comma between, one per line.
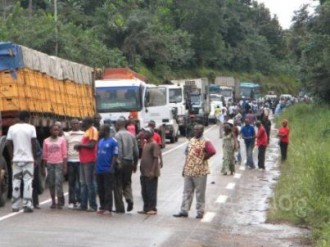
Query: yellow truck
x=50, y=88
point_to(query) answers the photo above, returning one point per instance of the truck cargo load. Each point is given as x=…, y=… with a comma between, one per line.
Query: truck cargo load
x=43, y=84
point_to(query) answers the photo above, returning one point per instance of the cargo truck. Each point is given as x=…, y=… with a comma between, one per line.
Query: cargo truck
x=122, y=92
x=50, y=88
x=197, y=99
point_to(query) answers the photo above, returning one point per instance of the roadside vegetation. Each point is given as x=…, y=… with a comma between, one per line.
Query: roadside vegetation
x=302, y=194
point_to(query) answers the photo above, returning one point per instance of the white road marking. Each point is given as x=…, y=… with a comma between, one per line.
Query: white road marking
x=222, y=199
x=230, y=186
x=21, y=211
x=242, y=168
x=208, y=217
x=237, y=175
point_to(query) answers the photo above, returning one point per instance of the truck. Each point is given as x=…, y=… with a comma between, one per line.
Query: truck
x=197, y=99
x=175, y=102
x=50, y=88
x=121, y=92
x=229, y=88
x=249, y=90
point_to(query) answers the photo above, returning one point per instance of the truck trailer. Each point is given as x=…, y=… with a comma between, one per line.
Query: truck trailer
x=50, y=88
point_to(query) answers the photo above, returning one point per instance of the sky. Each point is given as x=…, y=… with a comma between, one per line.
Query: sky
x=284, y=9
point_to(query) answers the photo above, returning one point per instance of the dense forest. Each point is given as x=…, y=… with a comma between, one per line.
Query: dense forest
x=168, y=38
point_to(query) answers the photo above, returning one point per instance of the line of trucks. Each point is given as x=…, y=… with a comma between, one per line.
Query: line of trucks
x=54, y=89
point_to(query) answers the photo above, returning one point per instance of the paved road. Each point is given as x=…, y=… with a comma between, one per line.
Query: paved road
x=235, y=213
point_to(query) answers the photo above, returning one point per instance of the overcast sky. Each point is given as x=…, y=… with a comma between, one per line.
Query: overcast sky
x=284, y=9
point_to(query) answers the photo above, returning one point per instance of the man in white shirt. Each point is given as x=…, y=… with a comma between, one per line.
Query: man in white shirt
x=73, y=138
x=21, y=143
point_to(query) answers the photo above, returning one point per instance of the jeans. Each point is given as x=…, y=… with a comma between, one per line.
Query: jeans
x=149, y=193
x=22, y=170
x=249, y=155
x=284, y=150
x=55, y=182
x=261, y=157
x=87, y=183
x=74, y=183
x=105, y=188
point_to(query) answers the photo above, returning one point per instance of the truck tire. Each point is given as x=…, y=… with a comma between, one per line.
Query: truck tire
x=172, y=139
x=3, y=174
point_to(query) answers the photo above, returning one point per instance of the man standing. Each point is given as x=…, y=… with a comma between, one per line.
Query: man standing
x=87, y=157
x=248, y=134
x=73, y=138
x=128, y=155
x=195, y=172
x=106, y=156
x=283, y=134
x=21, y=141
x=262, y=141
x=222, y=120
x=150, y=171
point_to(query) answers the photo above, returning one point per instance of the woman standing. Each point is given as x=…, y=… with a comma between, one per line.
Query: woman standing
x=55, y=158
x=228, y=164
x=283, y=134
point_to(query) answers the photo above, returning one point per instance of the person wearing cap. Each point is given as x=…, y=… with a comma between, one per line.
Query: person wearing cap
x=128, y=155
x=283, y=134
x=228, y=146
x=150, y=171
x=262, y=142
x=195, y=172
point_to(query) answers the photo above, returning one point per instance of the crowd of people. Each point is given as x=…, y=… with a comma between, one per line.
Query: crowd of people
x=99, y=160
x=250, y=122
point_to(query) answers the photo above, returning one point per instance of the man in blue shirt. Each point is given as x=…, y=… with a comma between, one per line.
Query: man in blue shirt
x=107, y=152
x=249, y=135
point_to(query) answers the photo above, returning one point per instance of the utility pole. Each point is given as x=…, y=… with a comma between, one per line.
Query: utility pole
x=30, y=8
x=56, y=28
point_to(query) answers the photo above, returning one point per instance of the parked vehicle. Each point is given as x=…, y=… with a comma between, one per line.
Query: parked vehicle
x=229, y=88
x=197, y=98
x=50, y=88
x=123, y=93
x=249, y=90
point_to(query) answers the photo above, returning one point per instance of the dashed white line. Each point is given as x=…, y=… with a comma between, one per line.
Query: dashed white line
x=21, y=211
x=242, y=168
x=230, y=186
x=237, y=175
x=208, y=217
x=222, y=199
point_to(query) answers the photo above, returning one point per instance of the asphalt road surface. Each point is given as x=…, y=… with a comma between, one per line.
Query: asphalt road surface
x=235, y=212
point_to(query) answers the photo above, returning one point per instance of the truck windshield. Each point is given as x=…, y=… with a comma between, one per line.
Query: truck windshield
x=175, y=95
x=250, y=92
x=118, y=99
x=155, y=96
x=226, y=93
x=195, y=99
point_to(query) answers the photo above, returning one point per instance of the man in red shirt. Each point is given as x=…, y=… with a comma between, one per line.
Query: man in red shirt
x=283, y=134
x=156, y=137
x=262, y=142
x=87, y=157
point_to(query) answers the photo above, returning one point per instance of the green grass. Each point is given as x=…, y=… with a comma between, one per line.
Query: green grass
x=302, y=195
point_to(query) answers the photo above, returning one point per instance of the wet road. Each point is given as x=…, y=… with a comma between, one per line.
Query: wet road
x=235, y=213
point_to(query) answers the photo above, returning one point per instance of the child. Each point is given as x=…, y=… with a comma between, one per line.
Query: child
x=228, y=164
x=107, y=152
x=55, y=158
